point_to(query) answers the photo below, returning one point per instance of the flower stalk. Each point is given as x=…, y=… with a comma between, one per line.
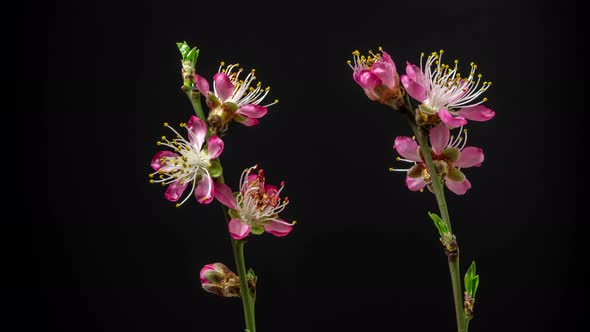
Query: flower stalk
x=438, y=190
x=245, y=293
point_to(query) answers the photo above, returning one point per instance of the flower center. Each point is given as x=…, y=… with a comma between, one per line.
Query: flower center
x=362, y=62
x=258, y=204
x=447, y=88
x=187, y=166
x=245, y=91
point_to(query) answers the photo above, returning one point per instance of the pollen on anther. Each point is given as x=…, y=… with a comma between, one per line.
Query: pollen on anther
x=165, y=124
x=391, y=169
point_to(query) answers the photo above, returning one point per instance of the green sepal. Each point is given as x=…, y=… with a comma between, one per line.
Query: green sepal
x=451, y=154
x=471, y=280
x=233, y=214
x=425, y=109
x=215, y=169
x=455, y=174
x=257, y=230
x=251, y=273
x=213, y=100
x=439, y=224
x=230, y=107
x=416, y=171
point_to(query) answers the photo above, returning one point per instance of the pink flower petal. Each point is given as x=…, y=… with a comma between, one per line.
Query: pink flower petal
x=238, y=230
x=407, y=148
x=214, y=146
x=385, y=57
x=278, y=227
x=450, y=120
x=175, y=190
x=371, y=94
x=270, y=190
x=204, y=270
x=415, y=184
x=223, y=86
x=477, y=113
x=469, y=157
x=248, y=122
x=368, y=80
x=205, y=191
x=439, y=138
x=197, y=129
x=415, y=74
x=157, y=160
x=225, y=196
x=459, y=188
x=385, y=72
x=202, y=84
x=415, y=90
x=252, y=111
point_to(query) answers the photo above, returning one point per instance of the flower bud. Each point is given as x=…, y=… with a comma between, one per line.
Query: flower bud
x=219, y=280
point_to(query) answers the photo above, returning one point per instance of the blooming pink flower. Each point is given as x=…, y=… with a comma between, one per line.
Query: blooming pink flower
x=218, y=279
x=233, y=98
x=376, y=74
x=443, y=91
x=192, y=162
x=256, y=207
x=449, y=155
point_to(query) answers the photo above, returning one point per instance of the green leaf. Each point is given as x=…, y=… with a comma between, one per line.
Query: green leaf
x=193, y=55
x=257, y=230
x=215, y=169
x=439, y=223
x=471, y=280
x=184, y=49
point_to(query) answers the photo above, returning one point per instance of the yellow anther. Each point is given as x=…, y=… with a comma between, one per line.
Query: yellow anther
x=356, y=52
x=414, y=138
x=158, y=143
x=267, y=88
x=380, y=49
x=165, y=124
x=222, y=63
x=294, y=222
x=276, y=101
x=422, y=190
x=397, y=158
x=259, y=84
x=421, y=53
x=485, y=99
x=349, y=62
x=177, y=204
x=151, y=175
x=456, y=61
x=391, y=169
x=151, y=181
x=163, y=184
x=479, y=75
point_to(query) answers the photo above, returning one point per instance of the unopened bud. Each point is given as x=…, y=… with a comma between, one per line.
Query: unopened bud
x=219, y=280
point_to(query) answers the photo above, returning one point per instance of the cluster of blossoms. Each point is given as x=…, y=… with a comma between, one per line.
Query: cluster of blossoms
x=447, y=100
x=192, y=161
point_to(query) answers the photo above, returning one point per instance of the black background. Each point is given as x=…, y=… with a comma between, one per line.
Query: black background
x=104, y=251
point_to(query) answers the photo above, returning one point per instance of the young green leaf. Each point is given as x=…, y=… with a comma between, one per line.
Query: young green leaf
x=439, y=223
x=471, y=280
